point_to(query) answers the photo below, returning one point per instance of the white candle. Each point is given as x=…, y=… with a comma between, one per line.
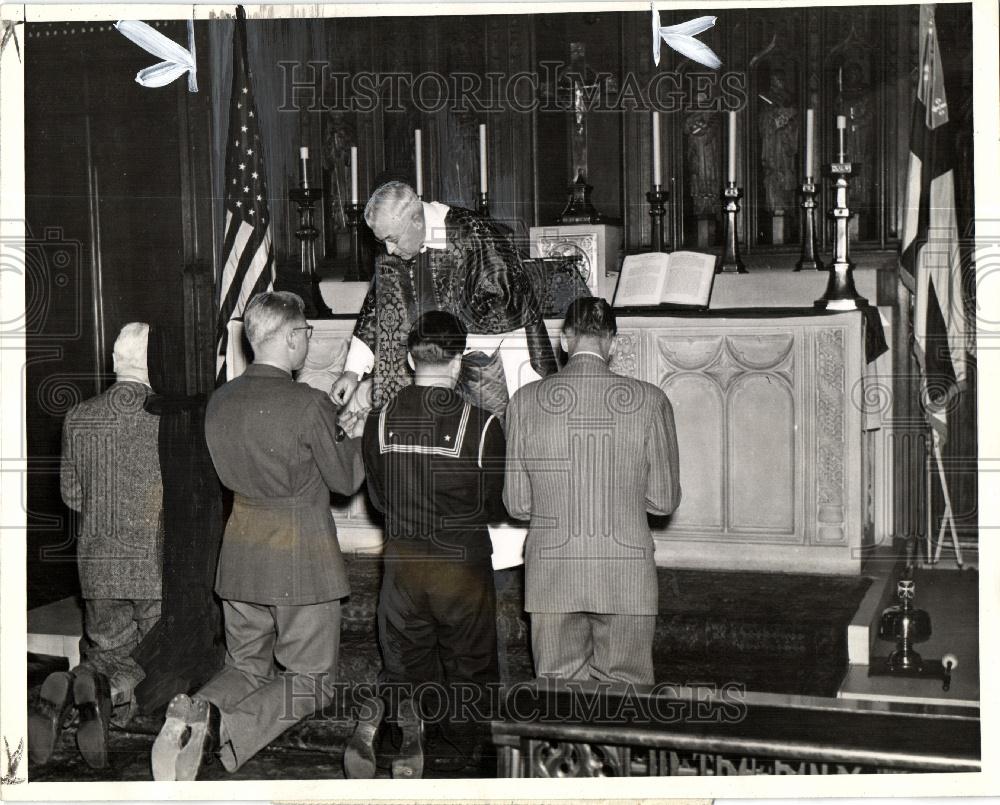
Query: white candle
x=732, y=148
x=482, y=158
x=420, y=168
x=841, y=127
x=354, y=174
x=809, y=144
x=657, y=167
x=303, y=167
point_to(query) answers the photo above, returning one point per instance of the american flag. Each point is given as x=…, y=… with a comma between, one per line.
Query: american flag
x=930, y=250
x=248, y=252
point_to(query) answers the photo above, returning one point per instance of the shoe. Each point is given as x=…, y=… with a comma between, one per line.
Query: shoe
x=188, y=739
x=359, y=755
x=409, y=764
x=92, y=695
x=205, y=722
x=46, y=719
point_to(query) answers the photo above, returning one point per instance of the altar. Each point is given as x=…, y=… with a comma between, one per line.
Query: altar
x=781, y=423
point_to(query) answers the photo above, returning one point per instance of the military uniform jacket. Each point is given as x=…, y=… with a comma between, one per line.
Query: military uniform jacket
x=479, y=277
x=589, y=452
x=273, y=442
x=110, y=472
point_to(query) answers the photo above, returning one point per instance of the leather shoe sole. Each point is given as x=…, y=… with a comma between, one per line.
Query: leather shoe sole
x=359, y=755
x=47, y=717
x=409, y=764
x=92, y=693
x=189, y=734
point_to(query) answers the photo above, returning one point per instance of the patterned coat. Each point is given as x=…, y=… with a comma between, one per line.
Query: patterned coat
x=110, y=472
x=479, y=277
x=589, y=452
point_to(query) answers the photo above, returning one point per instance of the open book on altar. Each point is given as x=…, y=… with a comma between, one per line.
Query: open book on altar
x=680, y=279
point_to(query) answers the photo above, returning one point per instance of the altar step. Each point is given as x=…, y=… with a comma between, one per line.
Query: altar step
x=950, y=596
x=766, y=632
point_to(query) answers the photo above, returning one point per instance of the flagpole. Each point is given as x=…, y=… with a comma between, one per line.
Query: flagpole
x=929, y=527
x=948, y=517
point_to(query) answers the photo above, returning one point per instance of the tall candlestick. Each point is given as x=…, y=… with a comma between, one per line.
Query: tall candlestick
x=657, y=167
x=304, y=167
x=841, y=128
x=354, y=174
x=732, y=148
x=420, y=168
x=809, y=144
x=482, y=158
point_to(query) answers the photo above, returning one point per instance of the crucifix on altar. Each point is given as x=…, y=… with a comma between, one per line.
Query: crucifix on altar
x=579, y=208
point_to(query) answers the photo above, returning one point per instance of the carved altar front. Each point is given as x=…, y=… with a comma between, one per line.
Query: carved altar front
x=775, y=469
x=770, y=442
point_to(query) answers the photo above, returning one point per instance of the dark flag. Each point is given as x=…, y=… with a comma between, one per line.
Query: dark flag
x=930, y=251
x=248, y=253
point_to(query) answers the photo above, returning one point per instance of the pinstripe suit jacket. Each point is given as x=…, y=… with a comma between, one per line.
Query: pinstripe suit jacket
x=589, y=452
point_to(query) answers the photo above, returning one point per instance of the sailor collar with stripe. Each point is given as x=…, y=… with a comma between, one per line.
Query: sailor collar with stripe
x=449, y=429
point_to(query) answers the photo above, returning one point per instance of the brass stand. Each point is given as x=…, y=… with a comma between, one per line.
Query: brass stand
x=356, y=272
x=657, y=198
x=731, y=262
x=304, y=198
x=840, y=291
x=810, y=248
x=579, y=208
x=483, y=206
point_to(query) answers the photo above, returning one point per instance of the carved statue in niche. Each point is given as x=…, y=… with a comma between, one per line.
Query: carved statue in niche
x=458, y=132
x=704, y=169
x=779, y=146
x=338, y=137
x=856, y=101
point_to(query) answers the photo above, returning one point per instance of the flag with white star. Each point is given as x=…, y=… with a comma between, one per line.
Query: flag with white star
x=248, y=251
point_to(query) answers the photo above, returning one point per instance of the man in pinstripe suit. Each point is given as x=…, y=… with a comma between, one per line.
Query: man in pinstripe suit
x=589, y=452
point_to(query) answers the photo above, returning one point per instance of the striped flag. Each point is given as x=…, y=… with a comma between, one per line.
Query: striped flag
x=930, y=251
x=247, y=250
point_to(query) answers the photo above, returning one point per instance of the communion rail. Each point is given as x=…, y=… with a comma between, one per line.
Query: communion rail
x=590, y=730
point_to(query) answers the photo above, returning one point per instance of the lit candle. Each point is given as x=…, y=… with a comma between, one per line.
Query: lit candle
x=482, y=158
x=303, y=167
x=420, y=168
x=841, y=128
x=732, y=148
x=657, y=168
x=354, y=174
x=809, y=144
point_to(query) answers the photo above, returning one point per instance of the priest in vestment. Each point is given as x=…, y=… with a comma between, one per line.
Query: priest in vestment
x=453, y=259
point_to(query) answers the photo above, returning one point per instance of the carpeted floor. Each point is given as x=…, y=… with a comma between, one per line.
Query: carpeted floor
x=772, y=632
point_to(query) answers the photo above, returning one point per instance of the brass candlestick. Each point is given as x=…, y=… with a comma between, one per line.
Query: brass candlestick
x=356, y=271
x=483, y=206
x=657, y=198
x=810, y=248
x=840, y=291
x=305, y=197
x=731, y=262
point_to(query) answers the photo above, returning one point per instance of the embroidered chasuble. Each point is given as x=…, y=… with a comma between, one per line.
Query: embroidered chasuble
x=479, y=277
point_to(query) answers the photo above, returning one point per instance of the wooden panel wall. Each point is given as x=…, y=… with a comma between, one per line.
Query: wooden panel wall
x=117, y=205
